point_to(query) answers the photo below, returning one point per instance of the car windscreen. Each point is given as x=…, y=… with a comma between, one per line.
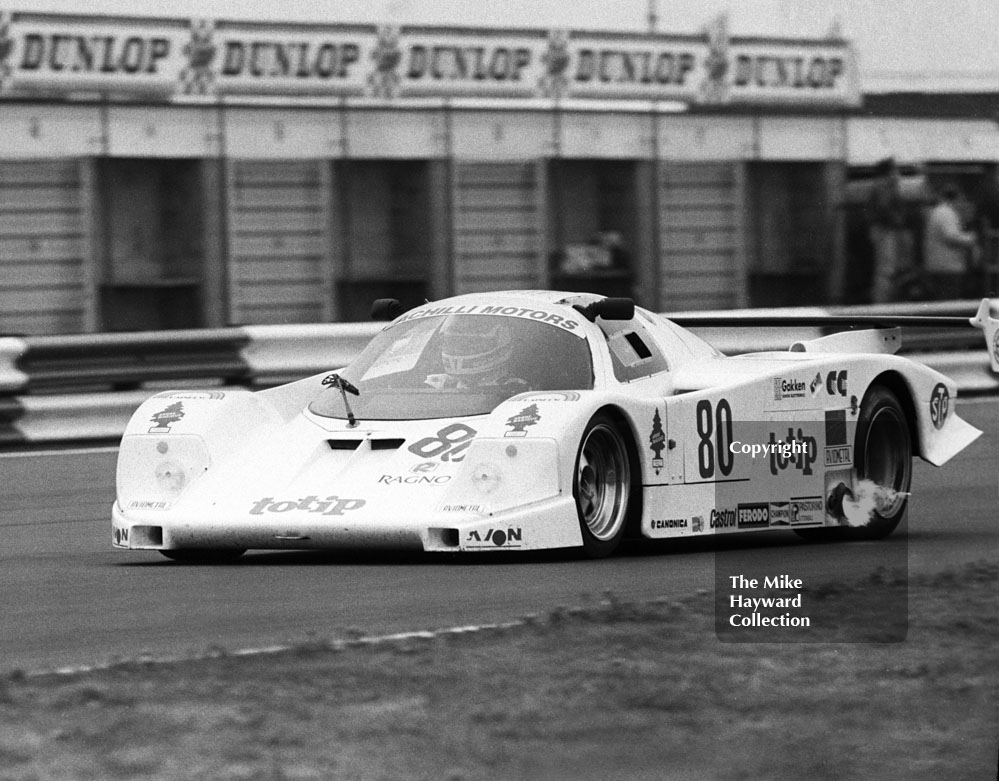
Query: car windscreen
x=456, y=365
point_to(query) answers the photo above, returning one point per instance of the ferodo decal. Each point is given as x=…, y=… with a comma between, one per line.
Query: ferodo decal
x=449, y=444
x=511, y=537
x=331, y=505
x=714, y=432
x=527, y=313
x=165, y=418
x=785, y=388
x=800, y=452
x=753, y=516
x=939, y=405
x=518, y=423
x=657, y=441
x=837, y=451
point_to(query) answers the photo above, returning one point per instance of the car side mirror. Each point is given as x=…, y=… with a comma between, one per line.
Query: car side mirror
x=608, y=309
x=386, y=309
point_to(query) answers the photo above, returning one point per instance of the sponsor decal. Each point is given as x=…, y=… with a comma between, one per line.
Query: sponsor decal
x=511, y=537
x=550, y=397
x=788, y=389
x=657, y=441
x=753, y=516
x=800, y=452
x=165, y=418
x=120, y=535
x=669, y=523
x=697, y=524
x=192, y=395
x=414, y=479
x=424, y=466
x=330, y=505
x=780, y=513
x=807, y=510
x=463, y=508
x=722, y=519
x=836, y=427
x=449, y=444
x=529, y=416
x=527, y=313
x=815, y=384
x=939, y=405
x=146, y=504
x=838, y=456
x=836, y=383
x=995, y=345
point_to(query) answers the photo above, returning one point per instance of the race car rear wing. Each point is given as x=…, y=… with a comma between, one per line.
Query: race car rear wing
x=983, y=319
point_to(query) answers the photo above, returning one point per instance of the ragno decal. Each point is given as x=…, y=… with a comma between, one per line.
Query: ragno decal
x=165, y=418
x=529, y=416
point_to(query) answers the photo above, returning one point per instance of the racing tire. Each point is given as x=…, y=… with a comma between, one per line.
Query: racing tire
x=204, y=555
x=601, y=486
x=882, y=453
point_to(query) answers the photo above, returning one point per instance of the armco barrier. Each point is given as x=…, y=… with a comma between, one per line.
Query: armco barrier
x=85, y=387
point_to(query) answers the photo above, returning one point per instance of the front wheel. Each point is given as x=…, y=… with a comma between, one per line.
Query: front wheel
x=204, y=555
x=602, y=486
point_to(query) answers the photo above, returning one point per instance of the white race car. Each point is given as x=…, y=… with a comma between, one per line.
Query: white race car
x=527, y=420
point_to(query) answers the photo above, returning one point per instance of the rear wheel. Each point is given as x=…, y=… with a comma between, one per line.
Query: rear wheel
x=602, y=486
x=204, y=555
x=883, y=454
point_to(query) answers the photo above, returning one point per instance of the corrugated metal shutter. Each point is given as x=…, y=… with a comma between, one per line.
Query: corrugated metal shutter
x=497, y=227
x=43, y=248
x=279, y=264
x=699, y=235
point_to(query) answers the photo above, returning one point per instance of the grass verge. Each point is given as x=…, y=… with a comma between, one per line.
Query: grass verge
x=611, y=690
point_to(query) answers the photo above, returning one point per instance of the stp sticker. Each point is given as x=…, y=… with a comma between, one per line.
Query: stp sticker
x=939, y=405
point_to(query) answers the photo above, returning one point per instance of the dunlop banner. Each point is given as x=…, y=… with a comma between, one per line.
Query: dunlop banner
x=188, y=59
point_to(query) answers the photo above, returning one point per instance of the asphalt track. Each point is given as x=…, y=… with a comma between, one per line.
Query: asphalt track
x=67, y=599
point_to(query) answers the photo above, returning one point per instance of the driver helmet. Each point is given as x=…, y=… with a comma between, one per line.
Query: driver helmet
x=475, y=345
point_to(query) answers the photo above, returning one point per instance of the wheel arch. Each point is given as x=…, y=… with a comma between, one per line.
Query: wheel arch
x=900, y=387
x=627, y=426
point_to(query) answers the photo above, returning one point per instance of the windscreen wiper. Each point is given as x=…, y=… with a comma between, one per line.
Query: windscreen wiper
x=334, y=380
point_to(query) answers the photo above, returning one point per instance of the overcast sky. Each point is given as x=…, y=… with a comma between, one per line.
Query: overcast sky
x=899, y=43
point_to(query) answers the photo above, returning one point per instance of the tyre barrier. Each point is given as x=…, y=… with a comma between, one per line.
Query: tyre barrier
x=61, y=389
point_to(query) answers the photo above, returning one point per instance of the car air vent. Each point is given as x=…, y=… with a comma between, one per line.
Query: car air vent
x=344, y=444
x=386, y=444
x=376, y=444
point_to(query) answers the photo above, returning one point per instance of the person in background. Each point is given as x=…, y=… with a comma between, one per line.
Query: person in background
x=949, y=250
x=886, y=213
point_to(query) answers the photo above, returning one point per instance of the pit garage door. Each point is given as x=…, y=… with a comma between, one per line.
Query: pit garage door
x=700, y=236
x=279, y=230
x=47, y=287
x=498, y=220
